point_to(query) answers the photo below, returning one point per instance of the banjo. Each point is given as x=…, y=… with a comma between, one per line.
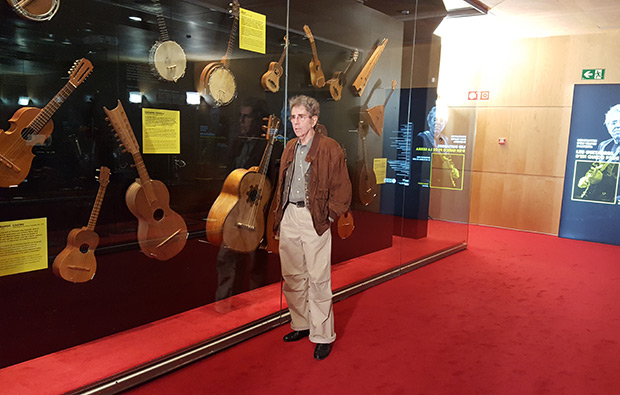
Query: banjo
x=217, y=83
x=167, y=58
x=35, y=10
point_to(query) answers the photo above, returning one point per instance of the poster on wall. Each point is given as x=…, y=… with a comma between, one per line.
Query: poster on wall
x=591, y=198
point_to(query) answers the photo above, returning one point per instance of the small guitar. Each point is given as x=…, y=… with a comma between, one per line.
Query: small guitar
x=237, y=217
x=367, y=185
x=271, y=79
x=217, y=83
x=339, y=80
x=30, y=126
x=76, y=262
x=162, y=233
x=35, y=10
x=362, y=78
x=167, y=58
x=317, y=78
x=376, y=114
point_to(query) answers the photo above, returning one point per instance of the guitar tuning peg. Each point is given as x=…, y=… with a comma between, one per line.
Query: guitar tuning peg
x=132, y=165
x=264, y=127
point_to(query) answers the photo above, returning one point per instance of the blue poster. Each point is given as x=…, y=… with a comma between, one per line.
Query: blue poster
x=591, y=199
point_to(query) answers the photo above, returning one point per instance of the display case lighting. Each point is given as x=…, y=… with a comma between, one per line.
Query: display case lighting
x=135, y=97
x=23, y=100
x=135, y=18
x=192, y=98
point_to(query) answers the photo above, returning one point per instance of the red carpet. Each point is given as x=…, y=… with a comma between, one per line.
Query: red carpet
x=516, y=313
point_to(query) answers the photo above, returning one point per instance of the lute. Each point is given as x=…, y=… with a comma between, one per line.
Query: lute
x=31, y=126
x=376, y=114
x=162, y=233
x=362, y=78
x=367, y=181
x=339, y=79
x=76, y=262
x=317, y=78
x=271, y=79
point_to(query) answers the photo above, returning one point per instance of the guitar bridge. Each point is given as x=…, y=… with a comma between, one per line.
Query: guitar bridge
x=241, y=225
x=5, y=161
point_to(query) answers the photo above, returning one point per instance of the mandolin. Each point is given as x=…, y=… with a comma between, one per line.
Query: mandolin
x=35, y=10
x=237, y=217
x=30, y=126
x=162, y=233
x=76, y=262
x=376, y=114
x=367, y=185
x=346, y=225
x=271, y=79
x=317, y=78
x=217, y=83
x=339, y=80
x=362, y=78
x=167, y=58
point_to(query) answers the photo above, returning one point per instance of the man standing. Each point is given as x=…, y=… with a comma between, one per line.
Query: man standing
x=313, y=190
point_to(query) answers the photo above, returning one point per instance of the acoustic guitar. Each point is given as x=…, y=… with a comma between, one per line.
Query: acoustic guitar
x=317, y=78
x=167, y=58
x=162, y=233
x=76, y=262
x=367, y=181
x=339, y=79
x=271, y=79
x=217, y=83
x=30, y=126
x=35, y=10
x=362, y=78
x=237, y=217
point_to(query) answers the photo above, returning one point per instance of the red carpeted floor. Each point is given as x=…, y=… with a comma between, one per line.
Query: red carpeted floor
x=516, y=313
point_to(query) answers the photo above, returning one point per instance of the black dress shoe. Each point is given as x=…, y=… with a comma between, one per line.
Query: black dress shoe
x=296, y=335
x=322, y=350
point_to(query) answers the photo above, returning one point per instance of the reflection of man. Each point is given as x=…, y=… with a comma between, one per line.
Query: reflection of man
x=436, y=124
x=612, y=122
x=313, y=190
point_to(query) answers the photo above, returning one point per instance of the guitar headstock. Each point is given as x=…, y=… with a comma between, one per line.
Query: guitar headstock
x=354, y=55
x=393, y=84
x=234, y=8
x=104, y=176
x=122, y=128
x=80, y=70
x=308, y=33
x=272, y=127
x=285, y=40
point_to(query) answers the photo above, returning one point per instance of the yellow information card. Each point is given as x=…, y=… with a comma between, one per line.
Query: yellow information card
x=161, y=131
x=379, y=166
x=252, y=31
x=23, y=246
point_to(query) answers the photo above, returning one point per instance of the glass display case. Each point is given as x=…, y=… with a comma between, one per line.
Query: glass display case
x=123, y=123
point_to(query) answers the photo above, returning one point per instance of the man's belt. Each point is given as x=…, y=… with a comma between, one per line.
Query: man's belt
x=299, y=204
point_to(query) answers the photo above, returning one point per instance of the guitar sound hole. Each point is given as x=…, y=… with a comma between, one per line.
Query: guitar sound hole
x=158, y=214
x=27, y=133
x=253, y=194
x=84, y=248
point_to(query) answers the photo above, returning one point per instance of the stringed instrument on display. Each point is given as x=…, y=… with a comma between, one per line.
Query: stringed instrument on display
x=217, y=83
x=317, y=78
x=76, y=262
x=31, y=126
x=346, y=225
x=166, y=57
x=376, y=114
x=35, y=10
x=367, y=181
x=339, y=80
x=362, y=78
x=271, y=79
x=162, y=233
x=237, y=217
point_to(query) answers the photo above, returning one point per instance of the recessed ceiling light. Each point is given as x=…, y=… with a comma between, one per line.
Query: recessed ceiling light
x=135, y=18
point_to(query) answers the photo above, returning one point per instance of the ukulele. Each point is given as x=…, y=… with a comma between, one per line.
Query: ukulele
x=339, y=80
x=237, y=217
x=76, y=262
x=30, y=126
x=35, y=10
x=367, y=185
x=162, y=233
x=317, y=78
x=271, y=79
x=167, y=58
x=376, y=114
x=362, y=78
x=217, y=83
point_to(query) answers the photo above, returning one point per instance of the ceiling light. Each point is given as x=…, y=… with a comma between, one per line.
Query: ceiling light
x=135, y=18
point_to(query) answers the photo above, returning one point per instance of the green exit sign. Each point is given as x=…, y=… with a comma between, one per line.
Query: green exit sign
x=593, y=74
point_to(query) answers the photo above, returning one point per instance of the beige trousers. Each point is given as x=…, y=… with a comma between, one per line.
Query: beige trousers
x=306, y=268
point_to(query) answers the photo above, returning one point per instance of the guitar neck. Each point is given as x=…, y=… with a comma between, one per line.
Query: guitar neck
x=282, y=57
x=141, y=168
x=264, y=163
x=315, y=55
x=43, y=117
x=94, y=214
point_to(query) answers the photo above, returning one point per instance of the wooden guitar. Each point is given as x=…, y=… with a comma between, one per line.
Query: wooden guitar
x=339, y=80
x=376, y=114
x=317, y=78
x=367, y=182
x=30, y=126
x=35, y=10
x=217, y=83
x=162, y=233
x=271, y=79
x=362, y=78
x=76, y=262
x=237, y=217
x=167, y=58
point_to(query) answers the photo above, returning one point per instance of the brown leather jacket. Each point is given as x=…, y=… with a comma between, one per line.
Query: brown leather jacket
x=328, y=187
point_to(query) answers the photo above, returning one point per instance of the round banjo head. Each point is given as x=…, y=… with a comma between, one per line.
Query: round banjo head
x=221, y=86
x=36, y=10
x=168, y=60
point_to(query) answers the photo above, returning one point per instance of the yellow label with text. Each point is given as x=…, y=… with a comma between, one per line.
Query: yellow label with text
x=252, y=31
x=23, y=246
x=161, y=131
